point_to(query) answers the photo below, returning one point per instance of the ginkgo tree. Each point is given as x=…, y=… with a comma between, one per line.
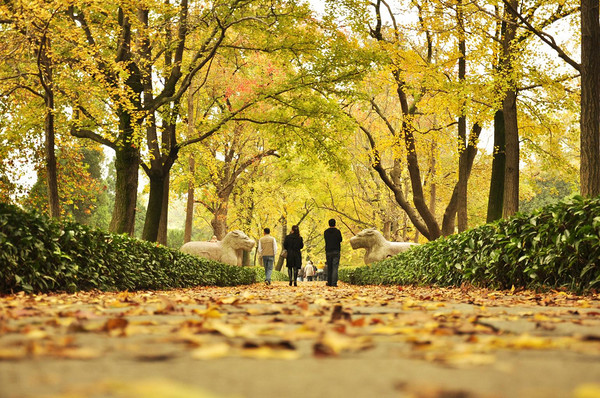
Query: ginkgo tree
x=29, y=71
x=144, y=56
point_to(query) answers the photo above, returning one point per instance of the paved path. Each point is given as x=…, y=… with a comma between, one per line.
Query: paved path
x=305, y=341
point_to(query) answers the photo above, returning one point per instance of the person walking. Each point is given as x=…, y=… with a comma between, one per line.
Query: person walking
x=333, y=240
x=309, y=271
x=293, y=243
x=267, y=249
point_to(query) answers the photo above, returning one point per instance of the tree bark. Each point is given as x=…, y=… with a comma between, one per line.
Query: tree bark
x=496, y=195
x=219, y=220
x=155, y=206
x=189, y=209
x=451, y=209
x=49, y=132
x=590, y=99
x=509, y=108
x=433, y=173
x=127, y=163
x=511, y=177
x=164, y=214
x=462, y=183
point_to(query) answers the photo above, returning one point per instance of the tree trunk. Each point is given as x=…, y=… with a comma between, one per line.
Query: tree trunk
x=590, y=99
x=51, y=172
x=155, y=205
x=280, y=260
x=189, y=209
x=164, y=213
x=462, y=183
x=509, y=107
x=496, y=196
x=127, y=163
x=219, y=221
x=433, y=172
x=49, y=130
x=511, y=178
x=451, y=209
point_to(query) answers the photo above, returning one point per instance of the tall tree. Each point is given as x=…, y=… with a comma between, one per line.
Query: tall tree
x=590, y=98
x=35, y=26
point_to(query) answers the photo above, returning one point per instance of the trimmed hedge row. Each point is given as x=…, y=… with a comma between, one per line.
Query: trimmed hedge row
x=41, y=255
x=557, y=246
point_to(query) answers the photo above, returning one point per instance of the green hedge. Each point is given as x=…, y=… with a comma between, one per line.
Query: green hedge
x=41, y=255
x=557, y=246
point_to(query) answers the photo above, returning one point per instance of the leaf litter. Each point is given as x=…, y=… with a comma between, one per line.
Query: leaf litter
x=456, y=327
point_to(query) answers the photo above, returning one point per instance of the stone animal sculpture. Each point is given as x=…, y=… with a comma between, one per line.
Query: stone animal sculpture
x=377, y=247
x=228, y=251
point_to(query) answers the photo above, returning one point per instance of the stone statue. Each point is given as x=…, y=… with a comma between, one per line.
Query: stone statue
x=228, y=251
x=377, y=247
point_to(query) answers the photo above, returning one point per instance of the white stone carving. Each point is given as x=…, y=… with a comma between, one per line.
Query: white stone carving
x=377, y=247
x=228, y=251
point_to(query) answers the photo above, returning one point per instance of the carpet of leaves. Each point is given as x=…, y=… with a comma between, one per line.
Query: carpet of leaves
x=459, y=327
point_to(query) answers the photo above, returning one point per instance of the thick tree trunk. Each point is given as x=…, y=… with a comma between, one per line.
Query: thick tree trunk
x=590, y=99
x=155, y=206
x=511, y=177
x=496, y=196
x=509, y=108
x=219, y=221
x=127, y=163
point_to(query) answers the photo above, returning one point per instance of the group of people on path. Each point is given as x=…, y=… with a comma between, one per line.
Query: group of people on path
x=292, y=246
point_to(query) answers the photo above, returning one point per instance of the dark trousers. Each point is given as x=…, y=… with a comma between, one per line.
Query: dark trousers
x=293, y=274
x=333, y=264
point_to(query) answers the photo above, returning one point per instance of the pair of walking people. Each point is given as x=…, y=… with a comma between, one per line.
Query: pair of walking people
x=293, y=244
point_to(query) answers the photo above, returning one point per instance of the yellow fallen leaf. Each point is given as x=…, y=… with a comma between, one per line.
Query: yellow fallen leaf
x=161, y=388
x=210, y=312
x=36, y=334
x=526, y=341
x=322, y=302
x=590, y=390
x=12, y=353
x=266, y=352
x=78, y=353
x=335, y=343
x=389, y=330
x=117, y=304
x=212, y=351
x=583, y=303
x=229, y=300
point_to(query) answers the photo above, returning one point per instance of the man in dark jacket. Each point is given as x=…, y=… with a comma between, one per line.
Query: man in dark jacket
x=333, y=240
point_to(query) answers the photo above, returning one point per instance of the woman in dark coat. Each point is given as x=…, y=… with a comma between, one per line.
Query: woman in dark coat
x=293, y=243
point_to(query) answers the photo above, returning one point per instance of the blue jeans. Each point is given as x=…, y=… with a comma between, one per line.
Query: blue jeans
x=268, y=264
x=333, y=264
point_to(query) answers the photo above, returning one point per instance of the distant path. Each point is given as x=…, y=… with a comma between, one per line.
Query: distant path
x=307, y=341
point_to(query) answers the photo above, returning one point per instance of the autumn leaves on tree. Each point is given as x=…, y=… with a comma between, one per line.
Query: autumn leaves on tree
x=212, y=99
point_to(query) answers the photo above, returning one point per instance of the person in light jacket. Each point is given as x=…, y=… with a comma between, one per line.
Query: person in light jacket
x=267, y=249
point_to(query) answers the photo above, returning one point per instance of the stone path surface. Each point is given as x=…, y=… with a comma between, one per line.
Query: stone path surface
x=305, y=341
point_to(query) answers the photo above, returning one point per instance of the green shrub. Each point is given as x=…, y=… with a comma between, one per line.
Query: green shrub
x=42, y=255
x=557, y=246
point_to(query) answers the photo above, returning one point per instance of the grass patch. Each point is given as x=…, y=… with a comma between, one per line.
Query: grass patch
x=557, y=246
